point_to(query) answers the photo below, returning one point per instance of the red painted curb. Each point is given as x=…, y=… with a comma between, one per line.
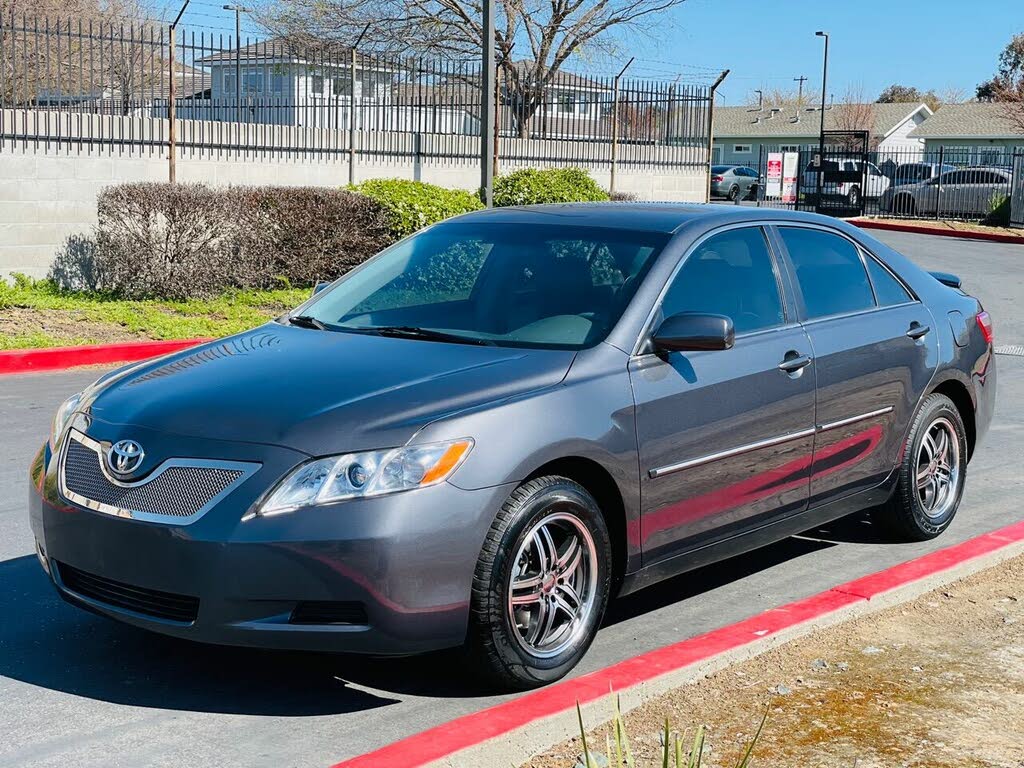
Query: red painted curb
x=994, y=237
x=470, y=730
x=61, y=358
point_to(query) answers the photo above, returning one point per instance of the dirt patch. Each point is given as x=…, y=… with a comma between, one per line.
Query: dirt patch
x=936, y=682
x=63, y=324
x=954, y=226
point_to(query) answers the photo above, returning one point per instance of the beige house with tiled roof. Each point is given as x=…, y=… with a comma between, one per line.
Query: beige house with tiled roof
x=740, y=133
x=973, y=133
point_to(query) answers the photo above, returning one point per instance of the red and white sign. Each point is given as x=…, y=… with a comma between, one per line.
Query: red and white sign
x=790, y=166
x=773, y=187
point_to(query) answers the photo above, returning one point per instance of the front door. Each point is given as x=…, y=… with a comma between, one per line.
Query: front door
x=875, y=351
x=725, y=437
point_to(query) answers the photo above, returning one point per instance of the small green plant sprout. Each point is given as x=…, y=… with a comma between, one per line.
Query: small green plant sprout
x=620, y=754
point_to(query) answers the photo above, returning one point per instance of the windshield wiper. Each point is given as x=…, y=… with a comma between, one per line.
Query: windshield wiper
x=415, y=332
x=307, y=321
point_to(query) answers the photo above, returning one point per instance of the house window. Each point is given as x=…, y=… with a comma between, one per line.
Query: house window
x=317, y=85
x=276, y=82
x=789, y=148
x=990, y=156
x=229, y=82
x=341, y=86
x=566, y=102
x=741, y=149
x=252, y=80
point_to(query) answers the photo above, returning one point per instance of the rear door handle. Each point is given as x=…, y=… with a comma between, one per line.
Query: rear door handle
x=917, y=330
x=794, y=362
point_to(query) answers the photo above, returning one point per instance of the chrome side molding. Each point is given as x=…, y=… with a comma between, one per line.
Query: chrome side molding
x=768, y=443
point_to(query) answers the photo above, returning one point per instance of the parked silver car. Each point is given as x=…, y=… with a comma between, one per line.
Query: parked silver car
x=965, y=192
x=734, y=181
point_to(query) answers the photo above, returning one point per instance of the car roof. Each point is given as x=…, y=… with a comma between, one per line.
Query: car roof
x=667, y=217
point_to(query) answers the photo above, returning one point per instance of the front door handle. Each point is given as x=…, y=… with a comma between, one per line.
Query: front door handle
x=917, y=330
x=794, y=362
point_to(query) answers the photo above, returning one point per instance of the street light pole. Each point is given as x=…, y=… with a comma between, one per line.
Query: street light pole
x=487, y=86
x=239, y=10
x=821, y=131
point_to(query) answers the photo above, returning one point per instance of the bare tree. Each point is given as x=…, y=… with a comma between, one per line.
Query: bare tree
x=1007, y=86
x=854, y=113
x=533, y=38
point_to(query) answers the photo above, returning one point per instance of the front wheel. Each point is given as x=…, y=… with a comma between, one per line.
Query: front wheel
x=931, y=477
x=541, y=584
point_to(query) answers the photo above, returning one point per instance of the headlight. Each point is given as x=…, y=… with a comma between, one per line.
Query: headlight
x=361, y=475
x=62, y=417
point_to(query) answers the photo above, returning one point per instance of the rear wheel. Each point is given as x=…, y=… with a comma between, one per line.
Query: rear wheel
x=931, y=477
x=853, y=197
x=905, y=205
x=734, y=192
x=541, y=584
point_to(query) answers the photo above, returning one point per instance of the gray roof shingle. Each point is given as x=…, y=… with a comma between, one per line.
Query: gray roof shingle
x=743, y=122
x=971, y=120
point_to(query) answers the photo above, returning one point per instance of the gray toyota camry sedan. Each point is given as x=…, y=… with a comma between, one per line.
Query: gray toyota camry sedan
x=481, y=435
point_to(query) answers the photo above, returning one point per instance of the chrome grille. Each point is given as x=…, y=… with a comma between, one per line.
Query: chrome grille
x=177, y=491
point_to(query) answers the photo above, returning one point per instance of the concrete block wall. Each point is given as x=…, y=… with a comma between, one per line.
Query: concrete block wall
x=48, y=192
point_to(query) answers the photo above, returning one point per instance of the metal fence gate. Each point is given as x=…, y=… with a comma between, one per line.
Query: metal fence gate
x=1017, y=193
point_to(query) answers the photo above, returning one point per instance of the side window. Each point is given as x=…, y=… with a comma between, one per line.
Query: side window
x=888, y=290
x=729, y=274
x=829, y=270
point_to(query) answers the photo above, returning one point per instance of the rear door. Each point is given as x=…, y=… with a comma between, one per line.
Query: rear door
x=874, y=348
x=724, y=437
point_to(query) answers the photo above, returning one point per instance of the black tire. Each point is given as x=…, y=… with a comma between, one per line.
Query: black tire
x=853, y=197
x=752, y=192
x=494, y=643
x=734, y=192
x=905, y=514
x=905, y=205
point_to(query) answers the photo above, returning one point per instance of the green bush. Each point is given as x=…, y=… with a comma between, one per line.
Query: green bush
x=999, y=211
x=531, y=186
x=412, y=205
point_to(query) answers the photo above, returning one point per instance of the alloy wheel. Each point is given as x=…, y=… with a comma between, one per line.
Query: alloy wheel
x=938, y=468
x=553, y=585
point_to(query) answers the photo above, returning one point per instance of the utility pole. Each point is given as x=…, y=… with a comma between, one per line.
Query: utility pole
x=172, y=105
x=615, y=126
x=239, y=10
x=487, y=90
x=352, y=108
x=799, y=93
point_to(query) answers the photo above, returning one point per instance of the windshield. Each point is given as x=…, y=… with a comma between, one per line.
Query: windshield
x=557, y=286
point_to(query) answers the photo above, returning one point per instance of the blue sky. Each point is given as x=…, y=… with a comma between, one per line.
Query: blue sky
x=925, y=43
x=766, y=43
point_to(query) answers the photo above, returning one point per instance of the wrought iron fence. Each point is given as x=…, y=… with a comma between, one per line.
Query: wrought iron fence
x=74, y=84
x=963, y=183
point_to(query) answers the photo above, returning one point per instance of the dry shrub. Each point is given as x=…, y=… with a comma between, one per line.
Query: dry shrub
x=192, y=241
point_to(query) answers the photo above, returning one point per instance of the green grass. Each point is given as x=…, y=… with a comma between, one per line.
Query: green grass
x=95, y=318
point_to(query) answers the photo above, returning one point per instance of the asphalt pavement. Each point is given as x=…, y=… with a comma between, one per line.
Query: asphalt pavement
x=76, y=689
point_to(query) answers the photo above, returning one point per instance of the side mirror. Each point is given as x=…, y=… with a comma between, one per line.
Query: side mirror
x=320, y=286
x=693, y=331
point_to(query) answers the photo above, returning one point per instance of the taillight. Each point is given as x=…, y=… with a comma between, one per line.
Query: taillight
x=718, y=178
x=985, y=324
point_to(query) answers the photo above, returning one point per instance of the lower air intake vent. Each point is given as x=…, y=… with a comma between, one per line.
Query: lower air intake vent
x=149, y=602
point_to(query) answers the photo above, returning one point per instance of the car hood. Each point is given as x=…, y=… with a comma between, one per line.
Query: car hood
x=319, y=392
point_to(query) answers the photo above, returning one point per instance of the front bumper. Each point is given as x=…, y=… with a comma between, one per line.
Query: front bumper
x=406, y=561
